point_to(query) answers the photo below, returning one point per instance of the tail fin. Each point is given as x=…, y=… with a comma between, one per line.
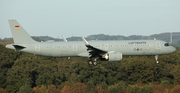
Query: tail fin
x=18, y=33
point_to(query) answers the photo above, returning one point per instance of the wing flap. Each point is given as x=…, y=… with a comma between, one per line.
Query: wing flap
x=93, y=51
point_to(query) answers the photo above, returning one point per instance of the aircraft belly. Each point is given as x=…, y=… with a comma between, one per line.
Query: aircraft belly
x=64, y=52
x=83, y=54
x=136, y=51
x=59, y=52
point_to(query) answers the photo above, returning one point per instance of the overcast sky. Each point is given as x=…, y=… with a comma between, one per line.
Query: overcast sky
x=88, y=17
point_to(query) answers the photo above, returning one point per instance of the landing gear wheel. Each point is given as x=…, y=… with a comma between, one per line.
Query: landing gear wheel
x=94, y=63
x=90, y=62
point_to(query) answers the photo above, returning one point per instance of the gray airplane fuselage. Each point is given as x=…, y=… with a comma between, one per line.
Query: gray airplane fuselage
x=77, y=48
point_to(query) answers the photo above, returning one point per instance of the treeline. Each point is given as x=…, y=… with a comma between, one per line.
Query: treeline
x=27, y=73
x=162, y=36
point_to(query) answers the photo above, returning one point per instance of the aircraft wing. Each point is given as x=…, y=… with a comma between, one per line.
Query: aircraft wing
x=93, y=51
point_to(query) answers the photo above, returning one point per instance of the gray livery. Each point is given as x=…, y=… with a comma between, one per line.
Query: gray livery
x=95, y=50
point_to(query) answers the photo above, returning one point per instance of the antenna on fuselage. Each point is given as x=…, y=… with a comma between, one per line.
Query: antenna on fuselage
x=64, y=39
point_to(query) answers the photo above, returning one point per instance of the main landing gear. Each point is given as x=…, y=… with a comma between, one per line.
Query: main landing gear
x=92, y=62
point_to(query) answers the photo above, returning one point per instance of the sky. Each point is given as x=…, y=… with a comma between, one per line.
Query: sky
x=89, y=17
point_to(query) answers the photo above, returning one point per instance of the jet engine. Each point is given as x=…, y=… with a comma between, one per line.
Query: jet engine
x=112, y=56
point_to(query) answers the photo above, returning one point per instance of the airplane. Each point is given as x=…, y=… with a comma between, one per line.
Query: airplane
x=111, y=51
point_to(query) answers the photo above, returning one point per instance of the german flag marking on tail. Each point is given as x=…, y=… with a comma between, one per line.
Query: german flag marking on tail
x=17, y=27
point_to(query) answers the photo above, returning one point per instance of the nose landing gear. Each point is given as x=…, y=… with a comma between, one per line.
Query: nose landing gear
x=156, y=58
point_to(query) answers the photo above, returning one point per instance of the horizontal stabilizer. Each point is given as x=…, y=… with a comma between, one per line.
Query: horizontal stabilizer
x=19, y=47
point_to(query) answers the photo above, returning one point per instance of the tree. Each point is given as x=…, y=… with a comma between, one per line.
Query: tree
x=2, y=90
x=141, y=89
x=78, y=88
x=7, y=57
x=25, y=89
x=52, y=89
x=175, y=72
x=176, y=89
x=66, y=89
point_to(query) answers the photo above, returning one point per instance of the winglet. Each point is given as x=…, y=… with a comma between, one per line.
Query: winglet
x=86, y=43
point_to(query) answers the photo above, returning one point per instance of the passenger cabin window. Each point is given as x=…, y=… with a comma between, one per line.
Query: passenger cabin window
x=166, y=44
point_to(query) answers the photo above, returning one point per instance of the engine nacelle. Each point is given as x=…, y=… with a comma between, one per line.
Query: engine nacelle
x=112, y=56
x=115, y=56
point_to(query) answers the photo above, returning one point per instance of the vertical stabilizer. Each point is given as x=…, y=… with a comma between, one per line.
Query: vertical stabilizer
x=18, y=33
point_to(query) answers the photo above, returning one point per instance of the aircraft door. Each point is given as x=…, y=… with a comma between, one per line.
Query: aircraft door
x=37, y=47
x=158, y=45
x=74, y=47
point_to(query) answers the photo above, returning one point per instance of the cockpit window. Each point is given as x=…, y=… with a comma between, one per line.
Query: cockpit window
x=166, y=44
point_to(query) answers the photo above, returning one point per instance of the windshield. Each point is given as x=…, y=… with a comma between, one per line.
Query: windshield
x=166, y=44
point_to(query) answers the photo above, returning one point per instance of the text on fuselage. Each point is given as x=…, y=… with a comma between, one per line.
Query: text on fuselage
x=137, y=42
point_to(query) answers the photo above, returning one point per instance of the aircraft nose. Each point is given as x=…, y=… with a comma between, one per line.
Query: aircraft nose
x=173, y=49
